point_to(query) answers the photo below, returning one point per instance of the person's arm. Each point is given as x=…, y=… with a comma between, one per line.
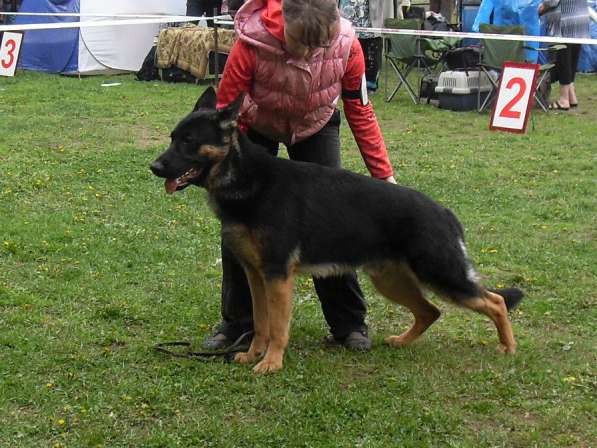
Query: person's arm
x=238, y=74
x=546, y=5
x=361, y=117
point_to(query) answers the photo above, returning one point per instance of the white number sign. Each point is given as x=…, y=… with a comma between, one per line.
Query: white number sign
x=515, y=97
x=9, y=52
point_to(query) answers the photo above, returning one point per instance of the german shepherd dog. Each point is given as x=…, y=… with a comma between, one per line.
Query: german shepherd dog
x=281, y=218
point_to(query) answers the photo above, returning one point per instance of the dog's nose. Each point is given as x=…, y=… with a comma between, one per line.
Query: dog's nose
x=157, y=167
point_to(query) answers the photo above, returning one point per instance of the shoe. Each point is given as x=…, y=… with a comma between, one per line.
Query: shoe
x=557, y=106
x=573, y=105
x=220, y=340
x=355, y=340
x=216, y=341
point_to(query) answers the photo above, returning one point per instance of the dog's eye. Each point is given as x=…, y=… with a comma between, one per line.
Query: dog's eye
x=188, y=139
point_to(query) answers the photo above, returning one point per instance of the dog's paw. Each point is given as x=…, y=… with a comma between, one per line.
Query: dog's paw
x=267, y=366
x=243, y=358
x=396, y=341
x=506, y=350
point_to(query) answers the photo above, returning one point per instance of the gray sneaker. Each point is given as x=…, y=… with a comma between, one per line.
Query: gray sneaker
x=216, y=341
x=355, y=340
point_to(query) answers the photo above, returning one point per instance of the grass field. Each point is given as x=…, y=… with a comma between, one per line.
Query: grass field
x=98, y=264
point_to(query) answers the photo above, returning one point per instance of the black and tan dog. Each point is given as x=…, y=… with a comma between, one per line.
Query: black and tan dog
x=281, y=218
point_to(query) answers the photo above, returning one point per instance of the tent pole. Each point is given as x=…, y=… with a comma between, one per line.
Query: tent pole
x=216, y=54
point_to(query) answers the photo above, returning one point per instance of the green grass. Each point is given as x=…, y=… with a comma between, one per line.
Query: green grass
x=97, y=265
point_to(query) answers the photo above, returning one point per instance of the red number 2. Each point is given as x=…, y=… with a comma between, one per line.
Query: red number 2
x=11, y=57
x=507, y=111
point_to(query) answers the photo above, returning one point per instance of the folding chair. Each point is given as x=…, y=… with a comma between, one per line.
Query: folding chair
x=404, y=53
x=495, y=52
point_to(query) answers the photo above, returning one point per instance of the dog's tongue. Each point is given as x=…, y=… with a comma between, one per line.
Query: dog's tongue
x=171, y=185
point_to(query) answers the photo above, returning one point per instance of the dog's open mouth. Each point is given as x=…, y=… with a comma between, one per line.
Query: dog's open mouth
x=173, y=185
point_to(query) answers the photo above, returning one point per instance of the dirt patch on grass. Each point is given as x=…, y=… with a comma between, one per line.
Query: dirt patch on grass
x=147, y=137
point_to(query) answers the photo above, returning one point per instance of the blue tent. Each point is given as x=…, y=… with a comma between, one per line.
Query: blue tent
x=588, y=53
x=53, y=51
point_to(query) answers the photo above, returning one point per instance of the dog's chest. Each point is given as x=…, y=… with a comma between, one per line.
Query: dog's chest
x=243, y=242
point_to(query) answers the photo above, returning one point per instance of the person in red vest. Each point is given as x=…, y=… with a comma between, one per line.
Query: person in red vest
x=293, y=61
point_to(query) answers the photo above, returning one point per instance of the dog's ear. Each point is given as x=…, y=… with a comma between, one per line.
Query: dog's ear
x=207, y=100
x=230, y=112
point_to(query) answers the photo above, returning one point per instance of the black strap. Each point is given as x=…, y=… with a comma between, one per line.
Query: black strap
x=237, y=346
x=351, y=94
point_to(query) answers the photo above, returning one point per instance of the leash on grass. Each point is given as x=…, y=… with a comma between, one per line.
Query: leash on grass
x=228, y=354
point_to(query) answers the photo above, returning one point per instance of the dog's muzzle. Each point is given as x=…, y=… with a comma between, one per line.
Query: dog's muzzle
x=158, y=168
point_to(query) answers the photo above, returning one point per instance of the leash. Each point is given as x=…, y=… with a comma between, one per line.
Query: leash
x=228, y=354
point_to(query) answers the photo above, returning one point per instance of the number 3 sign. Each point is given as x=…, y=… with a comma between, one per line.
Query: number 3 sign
x=515, y=97
x=9, y=53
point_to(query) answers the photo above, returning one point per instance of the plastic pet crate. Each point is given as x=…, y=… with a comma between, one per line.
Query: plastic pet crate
x=458, y=90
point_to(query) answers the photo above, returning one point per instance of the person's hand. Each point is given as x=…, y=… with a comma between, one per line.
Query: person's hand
x=390, y=179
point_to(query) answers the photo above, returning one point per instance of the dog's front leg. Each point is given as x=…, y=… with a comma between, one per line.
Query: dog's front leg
x=279, y=300
x=260, y=318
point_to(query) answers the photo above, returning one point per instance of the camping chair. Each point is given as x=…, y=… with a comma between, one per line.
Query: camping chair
x=495, y=52
x=404, y=53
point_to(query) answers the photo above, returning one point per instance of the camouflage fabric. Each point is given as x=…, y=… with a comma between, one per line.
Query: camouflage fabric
x=188, y=48
x=357, y=11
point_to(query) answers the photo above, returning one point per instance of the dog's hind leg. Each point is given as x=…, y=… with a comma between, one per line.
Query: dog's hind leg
x=397, y=283
x=494, y=306
x=260, y=318
x=279, y=305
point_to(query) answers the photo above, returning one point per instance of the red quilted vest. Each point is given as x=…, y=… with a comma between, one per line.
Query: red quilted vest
x=290, y=99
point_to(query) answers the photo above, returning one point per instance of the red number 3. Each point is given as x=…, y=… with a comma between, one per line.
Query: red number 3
x=507, y=111
x=11, y=57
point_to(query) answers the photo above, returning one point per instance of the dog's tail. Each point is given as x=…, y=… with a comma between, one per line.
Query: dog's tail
x=512, y=296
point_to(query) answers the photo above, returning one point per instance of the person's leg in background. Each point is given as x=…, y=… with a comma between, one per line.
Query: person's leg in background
x=565, y=76
x=574, y=56
x=237, y=307
x=194, y=7
x=372, y=50
x=341, y=297
x=199, y=8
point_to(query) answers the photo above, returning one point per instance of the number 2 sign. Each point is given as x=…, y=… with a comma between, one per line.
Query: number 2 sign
x=515, y=97
x=9, y=52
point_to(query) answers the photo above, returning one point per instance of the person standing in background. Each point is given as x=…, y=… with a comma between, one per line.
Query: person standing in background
x=443, y=7
x=566, y=18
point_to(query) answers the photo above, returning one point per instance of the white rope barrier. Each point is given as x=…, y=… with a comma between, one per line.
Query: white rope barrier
x=469, y=35
x=460, y=34
x=75, y=14
x=141, y=19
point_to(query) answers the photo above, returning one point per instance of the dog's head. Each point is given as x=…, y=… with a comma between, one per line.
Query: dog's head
x=199, y=142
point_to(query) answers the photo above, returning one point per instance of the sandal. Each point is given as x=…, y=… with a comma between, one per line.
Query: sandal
x=557, y=106
x=573, y=105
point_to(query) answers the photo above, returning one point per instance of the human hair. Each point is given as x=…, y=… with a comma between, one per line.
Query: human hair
x=317, y=17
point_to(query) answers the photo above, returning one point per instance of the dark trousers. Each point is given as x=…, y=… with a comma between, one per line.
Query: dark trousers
x=566, y=63
x=198, y=8
x=372, y=49
x=341, y=298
